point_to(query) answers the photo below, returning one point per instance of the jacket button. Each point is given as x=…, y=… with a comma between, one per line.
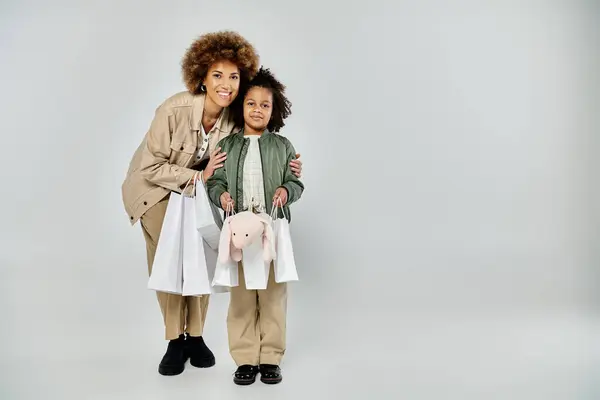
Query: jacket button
x=145, y=203
x=181, y=148
x=131, y=218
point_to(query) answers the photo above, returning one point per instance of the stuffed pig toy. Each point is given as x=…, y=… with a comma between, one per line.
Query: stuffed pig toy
x=242, y=229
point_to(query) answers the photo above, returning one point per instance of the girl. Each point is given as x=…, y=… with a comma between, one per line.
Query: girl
x=256, y=175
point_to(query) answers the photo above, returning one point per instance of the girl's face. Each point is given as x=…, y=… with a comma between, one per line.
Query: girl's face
x=222, y=83
x=258, y=107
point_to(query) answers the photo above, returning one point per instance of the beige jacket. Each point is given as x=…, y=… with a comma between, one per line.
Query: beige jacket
x=162, y=162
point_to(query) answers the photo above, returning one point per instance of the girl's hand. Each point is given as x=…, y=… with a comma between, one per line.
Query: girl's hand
x=280, y=198
x=216, y=161
x=226, y=200
x=296, y=166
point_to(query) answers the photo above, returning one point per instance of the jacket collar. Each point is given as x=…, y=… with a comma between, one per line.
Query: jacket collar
x=223, y=124
x=265, y=133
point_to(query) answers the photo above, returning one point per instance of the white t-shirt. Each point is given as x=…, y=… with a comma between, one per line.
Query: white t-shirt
x=254, y=189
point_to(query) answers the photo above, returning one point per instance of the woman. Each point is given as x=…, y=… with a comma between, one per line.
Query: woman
x=180, y=141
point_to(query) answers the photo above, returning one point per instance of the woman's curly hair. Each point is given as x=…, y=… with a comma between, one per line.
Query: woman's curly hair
x=213, y=47
x=282, y=107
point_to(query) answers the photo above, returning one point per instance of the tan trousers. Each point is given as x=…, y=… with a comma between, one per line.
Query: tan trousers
x=256, y=322
x=180, y=314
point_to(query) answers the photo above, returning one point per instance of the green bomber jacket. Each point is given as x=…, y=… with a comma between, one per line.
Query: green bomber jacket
x=276, y=152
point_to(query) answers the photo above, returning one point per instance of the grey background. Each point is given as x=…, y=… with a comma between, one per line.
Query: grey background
x=447, y=238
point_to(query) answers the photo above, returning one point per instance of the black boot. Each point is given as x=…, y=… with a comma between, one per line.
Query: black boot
x=173, y=362
x=199, y=354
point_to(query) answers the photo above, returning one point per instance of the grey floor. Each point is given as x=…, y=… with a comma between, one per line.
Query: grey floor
x=83, y=336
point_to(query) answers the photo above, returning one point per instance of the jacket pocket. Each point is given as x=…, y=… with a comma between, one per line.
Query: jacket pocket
x=183, y=147
x=182, y=153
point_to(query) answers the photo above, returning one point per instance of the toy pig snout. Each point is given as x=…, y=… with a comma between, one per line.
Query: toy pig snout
x=245, y=227
x=240, y=239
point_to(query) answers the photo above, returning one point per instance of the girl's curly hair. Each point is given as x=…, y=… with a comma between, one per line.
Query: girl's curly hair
x=213, y=47
x=282, y=107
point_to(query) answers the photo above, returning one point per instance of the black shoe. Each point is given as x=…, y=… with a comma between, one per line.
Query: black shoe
x=245, y=375
x=173, y=362
x=199, y=354
x=270, y=374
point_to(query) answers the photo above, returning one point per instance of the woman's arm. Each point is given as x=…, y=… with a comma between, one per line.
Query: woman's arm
x=155, y=166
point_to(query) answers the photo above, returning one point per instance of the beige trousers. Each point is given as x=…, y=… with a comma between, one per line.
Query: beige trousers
x=180, y=314
x=256, y=322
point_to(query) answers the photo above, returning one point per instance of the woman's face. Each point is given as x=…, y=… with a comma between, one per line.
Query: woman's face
x=222, y=83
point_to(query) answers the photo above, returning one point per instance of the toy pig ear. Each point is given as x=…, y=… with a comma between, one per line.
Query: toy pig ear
x=268, y=243
x=225, y=242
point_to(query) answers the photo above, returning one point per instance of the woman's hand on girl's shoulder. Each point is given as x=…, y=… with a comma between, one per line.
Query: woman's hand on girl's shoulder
x=217, y=160
x=296, y=166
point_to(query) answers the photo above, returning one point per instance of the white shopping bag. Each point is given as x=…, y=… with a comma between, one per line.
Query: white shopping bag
x=199, y=259
x=256, y=269
x=195, y=270
x=208, y=218
x=226, y=275
x=226, y=270
x=211, y=266
x=284, y=265
x=167, y=268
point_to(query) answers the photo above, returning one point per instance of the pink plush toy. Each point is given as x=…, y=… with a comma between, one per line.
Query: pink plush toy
x=242, y=229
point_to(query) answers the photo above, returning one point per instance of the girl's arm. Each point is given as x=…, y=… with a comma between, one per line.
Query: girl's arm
x=291, y=182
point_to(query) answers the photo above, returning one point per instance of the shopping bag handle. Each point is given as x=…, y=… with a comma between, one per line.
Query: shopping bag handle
x=274, y=208
x=229, y=211
x=194, y=180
